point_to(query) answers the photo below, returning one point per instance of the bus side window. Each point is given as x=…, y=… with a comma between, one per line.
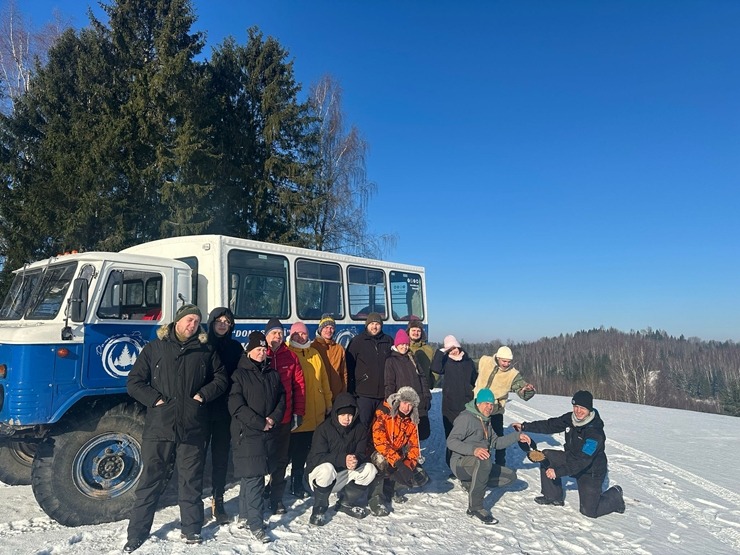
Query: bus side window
x=406, y=299
x=366, y=292
x=318, y=290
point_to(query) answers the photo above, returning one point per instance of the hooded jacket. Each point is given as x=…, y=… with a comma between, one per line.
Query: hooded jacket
x=584, y=445
x=402, y=370
x=335, y=362
x=332, y=442
x=316, y=382
x=471, y=430
x=256, y=393
x=175, y=372
x=366, y=356
x=230, y=351
x=424, y=353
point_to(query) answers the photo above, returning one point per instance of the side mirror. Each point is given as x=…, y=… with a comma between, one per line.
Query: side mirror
x=78, y=300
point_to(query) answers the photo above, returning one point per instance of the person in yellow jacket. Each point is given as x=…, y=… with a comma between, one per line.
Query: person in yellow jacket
x=318, y=403
x=332, y=353
x=499, y=375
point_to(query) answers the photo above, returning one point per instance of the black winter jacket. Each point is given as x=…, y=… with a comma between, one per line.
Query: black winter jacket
x=256, y=393
x=584, y=445
x=174, y=372
x=366, y=356
x=459, y=379
x=230, y=351
x=402, y=370
x=332, y=442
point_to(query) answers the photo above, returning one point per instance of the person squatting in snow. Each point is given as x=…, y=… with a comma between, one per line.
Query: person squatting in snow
x=471, y=441
x=397, y=455
x=583, y=458
x=338, y=462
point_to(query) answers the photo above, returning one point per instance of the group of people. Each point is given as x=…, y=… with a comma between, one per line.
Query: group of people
x=348, y=422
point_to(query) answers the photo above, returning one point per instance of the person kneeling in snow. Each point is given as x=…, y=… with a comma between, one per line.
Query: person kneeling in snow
x=397, y=455
x=336, y=461
x=471, y=441
x=583, y=458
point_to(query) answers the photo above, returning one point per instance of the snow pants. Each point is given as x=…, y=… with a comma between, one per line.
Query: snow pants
x=593, y=503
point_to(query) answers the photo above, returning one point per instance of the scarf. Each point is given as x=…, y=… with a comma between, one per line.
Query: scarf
x=578, y=423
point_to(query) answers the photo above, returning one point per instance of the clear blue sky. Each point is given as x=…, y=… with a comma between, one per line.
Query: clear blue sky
x=555, y=166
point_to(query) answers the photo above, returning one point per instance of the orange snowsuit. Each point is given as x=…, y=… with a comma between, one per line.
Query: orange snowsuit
x=396, y=437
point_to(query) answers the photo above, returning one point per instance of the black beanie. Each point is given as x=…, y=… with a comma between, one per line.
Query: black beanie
x=272, y=324
x=349, y=409
x=256, y=339
x=186, y=309
x=583, y=399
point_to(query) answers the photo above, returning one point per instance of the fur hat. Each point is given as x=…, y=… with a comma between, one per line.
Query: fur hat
x=583, y=399
x=326, y=320
x=402, y=338
x=407, y=394
x=449, y=343
x=298, y=327
x=273, y=323
x=186, y=309
x=415, y=324
x=504, y=352
x=256, y=339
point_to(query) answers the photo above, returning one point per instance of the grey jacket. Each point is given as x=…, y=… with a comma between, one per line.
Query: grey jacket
x=472, y=430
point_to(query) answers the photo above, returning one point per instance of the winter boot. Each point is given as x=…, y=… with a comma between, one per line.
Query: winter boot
x=351, y=502
x=378, y=504
x=218, y=511
x=320, y=504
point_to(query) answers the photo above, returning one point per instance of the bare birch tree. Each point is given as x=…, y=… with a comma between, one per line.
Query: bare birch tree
x=338, y=211
x=21, y=46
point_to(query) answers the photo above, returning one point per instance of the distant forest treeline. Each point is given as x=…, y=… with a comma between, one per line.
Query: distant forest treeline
x=647, y=367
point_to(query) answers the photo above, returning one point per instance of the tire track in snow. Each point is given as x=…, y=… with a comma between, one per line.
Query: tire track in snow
x=709, y=521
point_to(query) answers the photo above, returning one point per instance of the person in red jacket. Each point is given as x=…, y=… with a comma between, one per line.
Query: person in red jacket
x=286, y=363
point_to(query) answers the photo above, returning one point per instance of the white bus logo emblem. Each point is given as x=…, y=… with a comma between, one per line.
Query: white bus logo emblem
x=119, y=353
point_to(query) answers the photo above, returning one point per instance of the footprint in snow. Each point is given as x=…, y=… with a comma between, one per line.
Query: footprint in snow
x=645, y=522
x=674, y=538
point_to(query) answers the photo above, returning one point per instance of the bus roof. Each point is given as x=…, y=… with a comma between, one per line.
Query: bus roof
x=96, y=256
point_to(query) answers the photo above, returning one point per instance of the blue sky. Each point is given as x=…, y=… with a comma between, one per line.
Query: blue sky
x=555, y=166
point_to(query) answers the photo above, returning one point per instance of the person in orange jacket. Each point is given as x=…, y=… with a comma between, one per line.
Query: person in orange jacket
x=397, y=455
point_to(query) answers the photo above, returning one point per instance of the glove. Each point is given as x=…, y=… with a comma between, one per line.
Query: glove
x=297, y=421
x=404, y=475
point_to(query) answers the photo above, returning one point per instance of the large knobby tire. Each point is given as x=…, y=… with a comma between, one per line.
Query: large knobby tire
x=87, y=471
x=16, y=458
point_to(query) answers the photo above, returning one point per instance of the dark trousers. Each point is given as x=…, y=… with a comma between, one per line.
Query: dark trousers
x=593, y=503
x=277, y=478
x=366, y=407
x=251, y=506
x=159, y=459
x=447, y=423
x=425, y=429
x=482, y=474
x=497, y=422
x=220, y=438
x=300, y=445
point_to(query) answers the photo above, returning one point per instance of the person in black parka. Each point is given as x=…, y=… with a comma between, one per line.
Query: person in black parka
x=257, y=406
x=366, y=354
x=583, y=458
x=338, y=462
x=220, y=328
x=174, y=377
x=458, y=372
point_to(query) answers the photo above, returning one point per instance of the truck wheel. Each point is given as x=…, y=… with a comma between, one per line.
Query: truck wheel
x=16, y=458
x=86, y=472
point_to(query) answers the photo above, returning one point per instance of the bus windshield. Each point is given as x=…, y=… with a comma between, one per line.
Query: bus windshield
x=38, y=295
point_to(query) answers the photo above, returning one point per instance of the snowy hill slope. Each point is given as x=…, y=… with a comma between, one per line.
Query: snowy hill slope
x=677, y=469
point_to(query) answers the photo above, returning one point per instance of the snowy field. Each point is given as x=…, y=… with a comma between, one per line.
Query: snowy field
x=678, y=470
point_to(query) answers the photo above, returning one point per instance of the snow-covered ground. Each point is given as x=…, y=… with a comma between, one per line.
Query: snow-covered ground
x=678, y=470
